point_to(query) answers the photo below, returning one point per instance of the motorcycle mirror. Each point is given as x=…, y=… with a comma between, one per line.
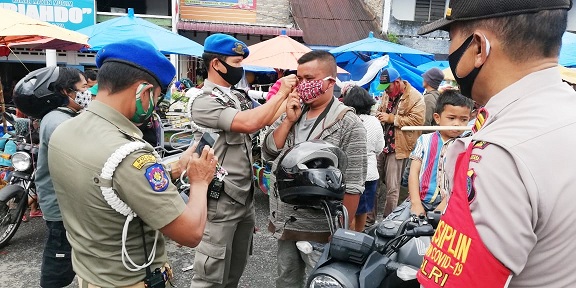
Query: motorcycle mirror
x=406, y=273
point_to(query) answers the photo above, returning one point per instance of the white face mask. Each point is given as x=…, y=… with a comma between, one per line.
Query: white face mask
x=83, y=98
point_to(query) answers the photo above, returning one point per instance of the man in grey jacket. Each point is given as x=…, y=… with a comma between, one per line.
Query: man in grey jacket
x=56, y=270
x=431, y=81
x=341, y=127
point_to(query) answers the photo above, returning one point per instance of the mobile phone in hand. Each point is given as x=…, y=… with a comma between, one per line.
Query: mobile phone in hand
x=208, y=138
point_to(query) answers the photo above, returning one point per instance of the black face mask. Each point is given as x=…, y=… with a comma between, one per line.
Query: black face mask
x=233, y=74
x=467, y=81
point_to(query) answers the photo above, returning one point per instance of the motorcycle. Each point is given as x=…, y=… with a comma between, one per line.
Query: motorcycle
x=14, y=196
x=387, y=255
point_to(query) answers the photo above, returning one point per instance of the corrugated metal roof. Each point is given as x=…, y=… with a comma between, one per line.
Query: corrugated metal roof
x=333, y=22
x=241, y=29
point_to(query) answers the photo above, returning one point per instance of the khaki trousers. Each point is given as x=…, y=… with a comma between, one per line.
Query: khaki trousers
x=390, y=170
x=223, y=253
x=293, y=265
x=84, y=284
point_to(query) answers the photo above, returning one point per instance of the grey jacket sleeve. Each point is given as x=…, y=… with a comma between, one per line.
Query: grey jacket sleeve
x=354, y=146
x=269, y=149
x=430, y=107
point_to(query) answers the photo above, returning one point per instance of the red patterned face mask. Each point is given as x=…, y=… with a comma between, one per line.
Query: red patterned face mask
x=311, y=89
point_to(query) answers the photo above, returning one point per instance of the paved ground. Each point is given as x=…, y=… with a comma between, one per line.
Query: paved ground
x=20, y=261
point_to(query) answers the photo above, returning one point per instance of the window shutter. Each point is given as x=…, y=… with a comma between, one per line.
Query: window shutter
x=429, y=10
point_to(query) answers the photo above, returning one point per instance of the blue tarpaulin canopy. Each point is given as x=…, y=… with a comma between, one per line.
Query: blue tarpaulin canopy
x=253, y=68
x=434, y=64
x=362, y=51
x=568, y=52
x=407, y=72
x=131, y=27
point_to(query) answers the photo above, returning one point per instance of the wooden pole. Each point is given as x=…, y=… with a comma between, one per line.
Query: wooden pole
x=436, y=128
x=3, y=109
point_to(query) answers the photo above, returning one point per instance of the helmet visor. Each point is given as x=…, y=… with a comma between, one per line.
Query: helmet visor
x=329, y=178
x=316, y=149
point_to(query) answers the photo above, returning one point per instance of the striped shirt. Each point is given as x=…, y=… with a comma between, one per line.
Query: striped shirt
x=430, y=150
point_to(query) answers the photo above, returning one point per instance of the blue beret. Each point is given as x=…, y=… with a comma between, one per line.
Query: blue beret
x=225, y=45
x=141, y=55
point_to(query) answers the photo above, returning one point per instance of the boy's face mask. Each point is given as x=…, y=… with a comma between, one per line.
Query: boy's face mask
x=141, y=115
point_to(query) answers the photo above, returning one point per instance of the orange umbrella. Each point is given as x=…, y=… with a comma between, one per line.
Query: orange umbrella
x=448, y=74
x=568, y=74
x=16, y=28
x=280, y=52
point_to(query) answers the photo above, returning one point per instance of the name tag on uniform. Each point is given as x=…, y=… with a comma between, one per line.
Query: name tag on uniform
x=143, y=160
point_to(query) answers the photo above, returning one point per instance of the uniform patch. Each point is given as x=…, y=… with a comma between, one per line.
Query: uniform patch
x=157, y=178
x=470, y=185
x=475, y=158
x=480, y=119
x=143, y=160
x=481, y=144
x=238, y=48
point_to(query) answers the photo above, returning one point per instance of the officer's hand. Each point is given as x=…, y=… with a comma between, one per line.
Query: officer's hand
x=293, y=107
x=183, y=161
x=288, y=83
x=201, y=168
x=417, y=209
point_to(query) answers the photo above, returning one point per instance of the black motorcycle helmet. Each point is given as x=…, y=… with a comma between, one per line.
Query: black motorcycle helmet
x=311, y=171
x=35, y=94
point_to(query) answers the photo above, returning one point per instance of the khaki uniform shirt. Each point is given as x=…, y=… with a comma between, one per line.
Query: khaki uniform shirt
x=522, y=188
x=77, y=152
x=216, y=109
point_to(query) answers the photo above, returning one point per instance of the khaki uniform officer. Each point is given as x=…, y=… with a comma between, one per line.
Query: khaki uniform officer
x=221, y=256
x=105, y=175
x=512, y=185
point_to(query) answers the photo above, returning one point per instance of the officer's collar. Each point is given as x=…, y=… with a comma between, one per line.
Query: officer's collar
x=210, y=86
x=116, y=118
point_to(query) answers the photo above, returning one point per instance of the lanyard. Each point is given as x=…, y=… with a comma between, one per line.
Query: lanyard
x=318, y=119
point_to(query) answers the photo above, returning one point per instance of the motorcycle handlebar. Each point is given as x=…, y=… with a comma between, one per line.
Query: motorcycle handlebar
x=433, y=218
x=424, y=230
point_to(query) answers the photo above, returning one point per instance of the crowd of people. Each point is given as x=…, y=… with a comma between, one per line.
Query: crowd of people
x=106, y=224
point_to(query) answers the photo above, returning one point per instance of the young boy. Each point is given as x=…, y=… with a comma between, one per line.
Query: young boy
x=425, y=179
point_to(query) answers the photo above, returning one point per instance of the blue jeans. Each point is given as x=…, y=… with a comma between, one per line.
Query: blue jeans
x=367, y=199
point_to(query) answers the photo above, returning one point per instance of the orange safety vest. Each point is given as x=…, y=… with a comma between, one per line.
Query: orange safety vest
x=457, y=257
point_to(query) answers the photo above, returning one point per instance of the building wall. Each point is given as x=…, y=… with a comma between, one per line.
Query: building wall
x=376, y=6
x=571, y=20
x=436, y=42
x=404, y=9
x=158, y=7
x=267, y=13
x=273, y=12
